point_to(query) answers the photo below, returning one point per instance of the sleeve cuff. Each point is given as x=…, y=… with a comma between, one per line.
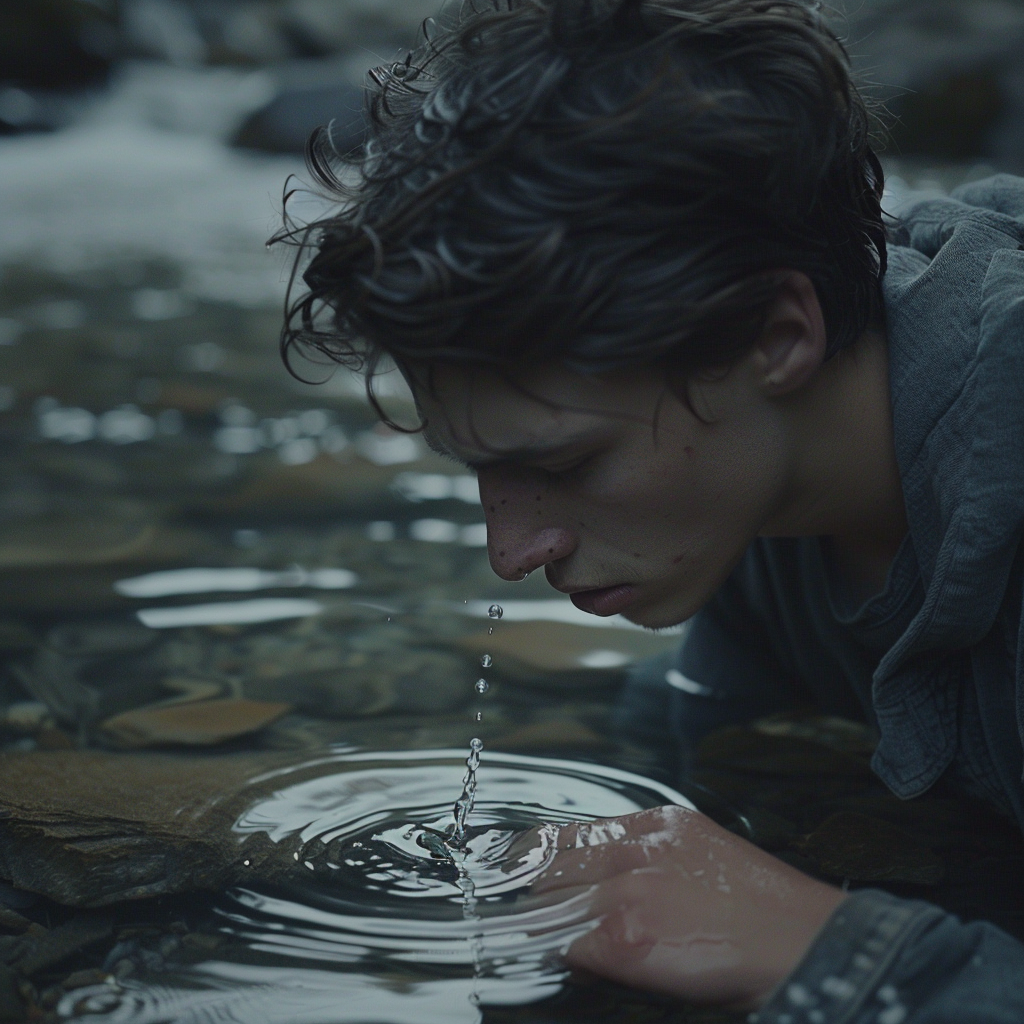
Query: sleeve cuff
x=847, y=963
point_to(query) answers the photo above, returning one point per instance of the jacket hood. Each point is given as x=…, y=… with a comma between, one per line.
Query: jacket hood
x=954, y=296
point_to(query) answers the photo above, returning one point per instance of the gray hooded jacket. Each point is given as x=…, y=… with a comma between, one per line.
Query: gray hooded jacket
x=936, y=661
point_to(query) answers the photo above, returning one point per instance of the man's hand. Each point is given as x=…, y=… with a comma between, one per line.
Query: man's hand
x=687, y=908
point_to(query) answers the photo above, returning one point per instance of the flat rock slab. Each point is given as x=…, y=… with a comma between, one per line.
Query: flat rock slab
x=90, y=828
x=193, y=723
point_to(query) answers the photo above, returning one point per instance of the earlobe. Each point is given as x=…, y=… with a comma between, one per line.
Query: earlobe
x=792, y=344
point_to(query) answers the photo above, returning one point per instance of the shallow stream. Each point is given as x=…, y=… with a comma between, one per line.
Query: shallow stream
x=240, y=632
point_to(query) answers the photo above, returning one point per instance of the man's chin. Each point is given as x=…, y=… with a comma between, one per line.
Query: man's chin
x=655, y=615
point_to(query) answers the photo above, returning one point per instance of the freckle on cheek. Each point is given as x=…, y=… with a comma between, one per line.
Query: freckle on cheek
x=501, y=554
x=677, y=559
x=504, y=501
x=689, y=451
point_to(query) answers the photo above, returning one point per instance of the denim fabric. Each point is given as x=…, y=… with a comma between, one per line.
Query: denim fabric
x=882, y=960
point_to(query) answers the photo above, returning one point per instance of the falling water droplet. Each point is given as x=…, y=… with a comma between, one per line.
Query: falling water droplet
x=490, y=630
x=476, y=744
x=495, y=611
x=481, y=686
x=479, y=716
x=487, y=661
x=246, y=862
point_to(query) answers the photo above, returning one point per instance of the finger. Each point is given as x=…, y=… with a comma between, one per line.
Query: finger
x=654, y=826
x=589, y=865
x=634, y=944
x=540, y=845
x=593, y=851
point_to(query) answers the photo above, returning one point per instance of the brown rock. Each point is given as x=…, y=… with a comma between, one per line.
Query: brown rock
x=865, y=849
x=195, y=724
x=89, y=534
x=88, y=828
x=742, y=748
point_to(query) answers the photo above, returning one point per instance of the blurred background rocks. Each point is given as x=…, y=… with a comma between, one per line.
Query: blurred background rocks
x=950, y=73
x=56, y=54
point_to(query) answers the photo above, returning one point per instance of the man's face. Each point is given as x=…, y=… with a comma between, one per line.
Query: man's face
x=632, y=502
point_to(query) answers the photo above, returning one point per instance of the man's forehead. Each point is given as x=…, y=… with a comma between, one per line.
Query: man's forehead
x=490, y=437
x=481, y=416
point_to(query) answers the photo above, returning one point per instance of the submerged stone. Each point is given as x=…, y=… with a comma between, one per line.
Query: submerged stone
x=196, y=724
x=561, y=654
x=89, y=829
x=749, y=749
x=12, y=1006
x=865, y=849
x=52, y=948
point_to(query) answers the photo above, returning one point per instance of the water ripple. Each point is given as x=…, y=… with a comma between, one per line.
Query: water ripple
x=378, y=935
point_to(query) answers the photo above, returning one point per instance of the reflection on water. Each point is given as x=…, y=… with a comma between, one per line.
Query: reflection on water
x=380, y=933
x=555, y=610
x=230, y=613
x=205, y=581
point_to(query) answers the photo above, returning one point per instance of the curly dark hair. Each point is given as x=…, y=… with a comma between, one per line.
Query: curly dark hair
x=602, y=183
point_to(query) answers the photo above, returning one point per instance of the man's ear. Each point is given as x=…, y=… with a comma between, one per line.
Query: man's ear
x=792, y=343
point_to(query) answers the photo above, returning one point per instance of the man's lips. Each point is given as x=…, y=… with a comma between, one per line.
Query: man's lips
x=604, y=600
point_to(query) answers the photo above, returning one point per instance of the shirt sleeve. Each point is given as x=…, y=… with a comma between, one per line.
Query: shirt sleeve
x=883, y=960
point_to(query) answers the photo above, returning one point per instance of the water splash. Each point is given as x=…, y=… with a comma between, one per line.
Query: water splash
x=464, y=805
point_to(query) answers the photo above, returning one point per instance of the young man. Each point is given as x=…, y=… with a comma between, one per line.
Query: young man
x=630, y=256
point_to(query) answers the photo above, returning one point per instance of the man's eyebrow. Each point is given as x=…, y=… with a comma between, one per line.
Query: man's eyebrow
x=523, y=453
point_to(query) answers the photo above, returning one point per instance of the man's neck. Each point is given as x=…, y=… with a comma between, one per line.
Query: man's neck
x=847, y=482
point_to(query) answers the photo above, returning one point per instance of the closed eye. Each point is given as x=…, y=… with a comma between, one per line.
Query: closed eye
x=566, y=467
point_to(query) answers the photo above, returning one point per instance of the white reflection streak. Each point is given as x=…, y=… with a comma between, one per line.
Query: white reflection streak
x=229, y=613
x=554, y=610
x=172, y=582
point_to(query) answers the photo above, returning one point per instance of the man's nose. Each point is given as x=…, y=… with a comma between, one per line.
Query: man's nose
x=522, y=525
